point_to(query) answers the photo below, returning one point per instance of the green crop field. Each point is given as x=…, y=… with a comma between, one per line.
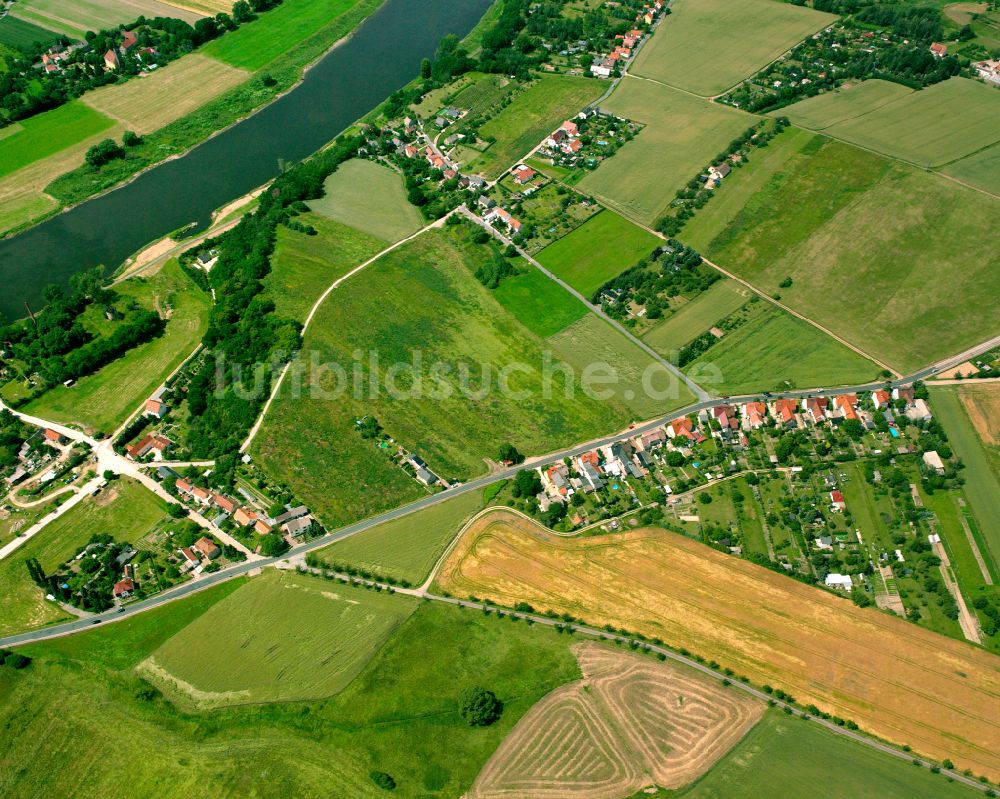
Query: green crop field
x=982, y=484
x=600, y=249
x=304, y=266
x=532, y=115
x=695, y=317
x=775, y=347
x=640, y=383
x=76, y=17
x=889, y=257
x=708, y=46
x=102, y=401
x=800, y=756
x=48, y=133
x=539, y=303
x=957, y=117
x=125, y=510
x=419, y=301
x=981, y=169
x=20, y=34
x=257, y=43
x=371, y=198
x=682, y=135
x=89, y=722
x=406, y=548
x=283, y=636
x=849, y=101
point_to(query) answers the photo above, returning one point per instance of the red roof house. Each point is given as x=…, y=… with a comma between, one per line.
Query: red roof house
x=124, y=588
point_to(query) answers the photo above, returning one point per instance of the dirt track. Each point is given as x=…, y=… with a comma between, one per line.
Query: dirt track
x=629, y=723
x=896, y=680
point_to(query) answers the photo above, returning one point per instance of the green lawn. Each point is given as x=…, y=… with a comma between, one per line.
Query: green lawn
x=958, y=117
x=600, y=249
x=889, y=257
x=682, y=135
x=19, y=33
x=371, y=198
x=532, y=115
x=809, y=762
x=695, y=317
x=125, y=510
x=406, y=548
x=282, y=637
x=849, y=101
x=257, y=43
x=102, y=401
x=419, y=301
x=539, y=303
x=708, y=46
x=47, y=133
x=399, y=715
x=981, y=169
x=636, y=379
x=982, y=484
x=775, y=347
x=303, y=266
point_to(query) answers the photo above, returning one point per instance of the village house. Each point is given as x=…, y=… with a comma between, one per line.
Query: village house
x=815, y=409
x=262, y=527
x=785, y=412
x=933, y=462
x=151, y=443
x=224, y=503
x=839, y=581
x=837, y=501
x=989, y=71
x=570, y=127
x=905, y=394
x=681, y=428
x=297, y=527
x=939, y=50
x=201, y=495
x=54, y=437
x=845, y=404
x=244, y=517
x=156, y=408
x=920, y=412
x=588, y=465
x=754, y=415
x=880, y=399
x=522, y=174
x=190, y=559
x=124, y=588
x=293, y=513
x=556, y=138
x=654, y=439
x=207, y=548
x=555, y=481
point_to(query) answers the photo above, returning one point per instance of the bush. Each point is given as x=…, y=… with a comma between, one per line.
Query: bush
x=103, y=152
x=479, y=707
x=383, y=780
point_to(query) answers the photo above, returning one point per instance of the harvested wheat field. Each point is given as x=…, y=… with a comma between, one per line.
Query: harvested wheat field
x=156, y=99
x=628, y=723
x=982, y=403
x=898, y=681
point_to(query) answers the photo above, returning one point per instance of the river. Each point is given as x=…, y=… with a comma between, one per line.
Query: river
x=383, y=55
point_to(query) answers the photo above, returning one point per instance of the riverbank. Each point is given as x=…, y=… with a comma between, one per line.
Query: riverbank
x=176, y=139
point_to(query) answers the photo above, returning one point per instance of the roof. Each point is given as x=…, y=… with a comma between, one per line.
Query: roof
x=837, y=497
x=190, y=555
x=262, y=527
x=183, y=485
x=53, y=435
x=126, y=586
x=206, y=546
x=244, y=517
x=224, y=502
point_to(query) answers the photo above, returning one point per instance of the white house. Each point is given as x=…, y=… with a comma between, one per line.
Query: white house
x=840, y=581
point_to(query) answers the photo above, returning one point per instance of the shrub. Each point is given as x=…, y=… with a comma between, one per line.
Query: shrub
x=480, y=707
x=383, y=780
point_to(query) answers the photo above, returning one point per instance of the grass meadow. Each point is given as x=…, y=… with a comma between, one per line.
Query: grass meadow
x=695, y=317
x=304, y=266
x=421, y=298
x=399, y=715
x=982, y=483
x=539, y=303
x=260, y=42
x=282, y=637
x=79, y=16
x=840, y=105
x=799, y=756
x=887, y=256
x=125, y=510
x=20, y=33
x=148, y=103
x=102, y=401
x=600, y=249
x=406, y=548
x=776, y=350
x=958, y=117
x=682, y=135
x=371, y=198
x=981, y=170
x=533, y=114
x=641, y=384
x=708, y=46
x=46, y=134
